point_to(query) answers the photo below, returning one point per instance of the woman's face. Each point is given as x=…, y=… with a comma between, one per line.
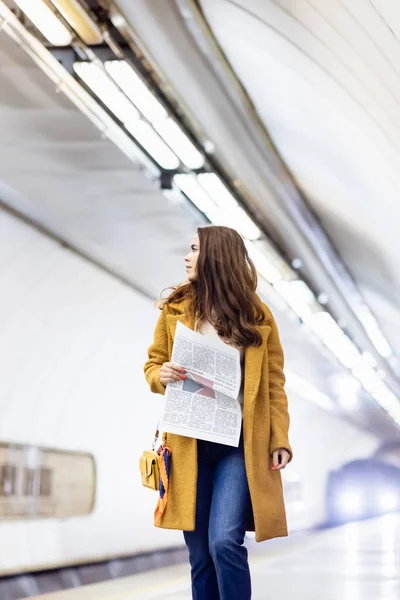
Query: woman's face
x=191, y=259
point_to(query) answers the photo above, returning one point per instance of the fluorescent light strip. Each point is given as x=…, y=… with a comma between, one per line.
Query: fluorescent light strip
x=217, y=214
x=136, y=90
x=334, y=338
x=74, y=13
x=153, y=144
x=371, y=382
x=218, y=191
x=241, y=221
x=190, y=186
x=297, y=295
x=233, y=214
x=100, y=83
x=266, y=269
x=176, y=139
x=374, y=333
x=142, y=97
x=46, y=21
x=109, y=93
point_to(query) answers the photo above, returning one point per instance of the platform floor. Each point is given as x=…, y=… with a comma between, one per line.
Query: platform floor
x=360, y=561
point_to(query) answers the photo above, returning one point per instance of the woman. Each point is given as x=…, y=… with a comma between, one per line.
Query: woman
x=218, y=492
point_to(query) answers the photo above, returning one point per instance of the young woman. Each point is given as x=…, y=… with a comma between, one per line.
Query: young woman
x=218, y=492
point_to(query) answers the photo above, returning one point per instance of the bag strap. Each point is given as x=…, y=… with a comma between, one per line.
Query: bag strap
x=157, y=433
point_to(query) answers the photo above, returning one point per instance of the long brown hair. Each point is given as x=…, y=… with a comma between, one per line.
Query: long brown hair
x=224, y=292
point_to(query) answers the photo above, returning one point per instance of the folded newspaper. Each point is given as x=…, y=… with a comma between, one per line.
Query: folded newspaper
x=204, y=405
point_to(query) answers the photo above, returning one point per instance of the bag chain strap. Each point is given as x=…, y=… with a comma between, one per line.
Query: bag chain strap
x=157, y=433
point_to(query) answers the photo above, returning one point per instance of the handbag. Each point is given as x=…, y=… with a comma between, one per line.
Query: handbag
x=149, y=465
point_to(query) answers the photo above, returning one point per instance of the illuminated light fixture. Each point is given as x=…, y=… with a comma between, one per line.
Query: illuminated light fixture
x=241, y=221
x=173, y=135
x=346, y=389
x=136, y=90
x=195, y=192
x=372, y=328
x=237, y=219
x=46, y=21
x=369, y=359
x=323, y=298
x=100, y=83
x=233, y=215
x=74, y=13
x=350, y=502
x=297, y=263
x=217, y=190
x=153, y=144
x=297, y=295
x=262, y=263
x=371, y=381
x=326, y=328
x=142, y=97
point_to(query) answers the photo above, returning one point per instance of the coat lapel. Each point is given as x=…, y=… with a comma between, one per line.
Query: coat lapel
x=172, y=321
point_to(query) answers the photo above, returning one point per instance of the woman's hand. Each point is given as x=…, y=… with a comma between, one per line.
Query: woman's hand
x=284, y=459
x=171, y=372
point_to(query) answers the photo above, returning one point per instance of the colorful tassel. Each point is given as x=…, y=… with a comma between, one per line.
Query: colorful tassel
x=164, y=461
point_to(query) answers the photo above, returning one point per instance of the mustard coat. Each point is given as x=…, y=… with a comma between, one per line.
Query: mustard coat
x=265, y=429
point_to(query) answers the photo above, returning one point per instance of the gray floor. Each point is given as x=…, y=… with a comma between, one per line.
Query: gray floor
x=360, y=561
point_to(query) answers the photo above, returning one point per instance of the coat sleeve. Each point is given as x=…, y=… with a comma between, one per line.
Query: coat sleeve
x=158, y=355
x=278, y=400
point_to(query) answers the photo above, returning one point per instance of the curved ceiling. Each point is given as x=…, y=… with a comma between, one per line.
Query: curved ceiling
x=58, y=170
x=324, y=78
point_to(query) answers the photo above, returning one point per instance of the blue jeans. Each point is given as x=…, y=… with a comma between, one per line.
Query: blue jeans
x=218, y=559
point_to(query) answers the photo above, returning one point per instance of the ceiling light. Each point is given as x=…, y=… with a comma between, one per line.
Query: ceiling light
x=236, y=219
x=323, y=298
x=136, y=90
x=326, y=328
x=97, y=79
x=180, y=143
x=262, y=263
x=144, y=99
x=194, y=191
x=153, y=144
x=297, y=263
x=369, y=358
x=374, y=385
x=233, y=215
x=74, y=13
x=217, y=190
x=372, y=328
x=46, y=21
x=346, y=389
x=240, y=220
x=297, y=295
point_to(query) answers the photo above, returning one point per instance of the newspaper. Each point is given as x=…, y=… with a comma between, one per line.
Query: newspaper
x=204, y=405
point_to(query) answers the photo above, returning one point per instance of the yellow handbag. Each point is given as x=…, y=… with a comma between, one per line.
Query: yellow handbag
x=149, y=465
x=149, y=470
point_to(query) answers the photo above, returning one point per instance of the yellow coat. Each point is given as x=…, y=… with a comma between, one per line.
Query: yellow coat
x=265, y=429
